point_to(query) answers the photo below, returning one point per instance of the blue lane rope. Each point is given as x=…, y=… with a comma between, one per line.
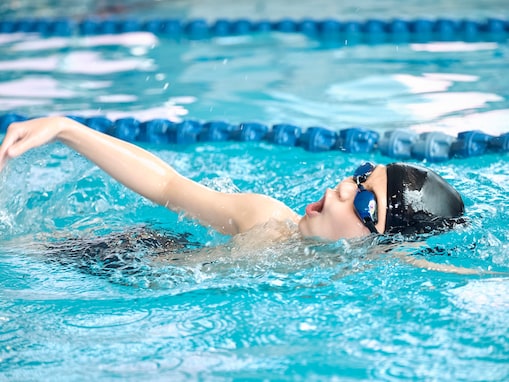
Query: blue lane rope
x=399, y=144
x=369, y=31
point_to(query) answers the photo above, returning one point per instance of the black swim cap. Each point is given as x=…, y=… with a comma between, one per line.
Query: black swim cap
x=419, y=201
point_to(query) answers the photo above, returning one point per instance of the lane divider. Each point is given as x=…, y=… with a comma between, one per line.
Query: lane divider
x=398, y=144
x=368, y=31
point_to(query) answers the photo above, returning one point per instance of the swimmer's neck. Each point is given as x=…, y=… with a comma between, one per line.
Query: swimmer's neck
x=267, y=234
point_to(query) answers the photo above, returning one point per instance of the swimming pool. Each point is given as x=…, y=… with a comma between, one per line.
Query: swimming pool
x=339, y=311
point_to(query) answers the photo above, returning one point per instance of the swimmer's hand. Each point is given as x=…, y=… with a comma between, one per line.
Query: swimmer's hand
x=23, y=136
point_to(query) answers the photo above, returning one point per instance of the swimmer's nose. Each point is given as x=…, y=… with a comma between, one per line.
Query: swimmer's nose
x=346, y=190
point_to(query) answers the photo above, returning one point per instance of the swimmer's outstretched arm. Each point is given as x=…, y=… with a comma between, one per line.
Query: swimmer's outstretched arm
x=406, y=253
x=147, y=175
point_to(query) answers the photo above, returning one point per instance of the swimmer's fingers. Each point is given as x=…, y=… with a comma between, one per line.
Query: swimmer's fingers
x=8, y=148
x=23, y=136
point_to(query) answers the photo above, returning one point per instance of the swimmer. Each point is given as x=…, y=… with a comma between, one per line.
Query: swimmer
x=376, y=200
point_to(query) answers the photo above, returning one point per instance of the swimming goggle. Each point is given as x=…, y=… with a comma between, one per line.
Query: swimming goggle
x=365, y=201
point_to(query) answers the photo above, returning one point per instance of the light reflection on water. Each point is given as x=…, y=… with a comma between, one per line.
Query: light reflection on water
x=266, y=78
x=297, y=311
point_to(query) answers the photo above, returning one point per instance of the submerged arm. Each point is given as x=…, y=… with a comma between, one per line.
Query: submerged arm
x=145, y=174
x=407, y=254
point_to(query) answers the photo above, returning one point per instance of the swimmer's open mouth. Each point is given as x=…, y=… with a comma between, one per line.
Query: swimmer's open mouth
x=316, y=207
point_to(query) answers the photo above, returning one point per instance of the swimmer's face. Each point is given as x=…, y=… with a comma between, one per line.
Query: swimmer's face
x=334, y=217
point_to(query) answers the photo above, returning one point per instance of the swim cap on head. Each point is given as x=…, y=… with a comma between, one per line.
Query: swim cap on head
x=419, y=200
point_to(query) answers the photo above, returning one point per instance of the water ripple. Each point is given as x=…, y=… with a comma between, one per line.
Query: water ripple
x=105, y=319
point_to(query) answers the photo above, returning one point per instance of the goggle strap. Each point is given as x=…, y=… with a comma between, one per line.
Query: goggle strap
x=371, y=226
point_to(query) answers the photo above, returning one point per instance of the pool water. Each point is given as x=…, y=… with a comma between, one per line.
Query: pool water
x=315, y=311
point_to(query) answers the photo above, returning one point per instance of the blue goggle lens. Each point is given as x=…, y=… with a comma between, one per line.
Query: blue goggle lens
x=365, y=201
x=365, y=205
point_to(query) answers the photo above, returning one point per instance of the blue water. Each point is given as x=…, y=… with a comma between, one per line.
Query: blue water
x=346, y=311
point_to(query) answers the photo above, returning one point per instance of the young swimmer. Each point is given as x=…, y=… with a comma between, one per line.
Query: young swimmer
x=397, y=198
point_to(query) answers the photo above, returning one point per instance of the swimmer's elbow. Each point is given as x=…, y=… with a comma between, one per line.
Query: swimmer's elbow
x=181, y=194
x=165, y=191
